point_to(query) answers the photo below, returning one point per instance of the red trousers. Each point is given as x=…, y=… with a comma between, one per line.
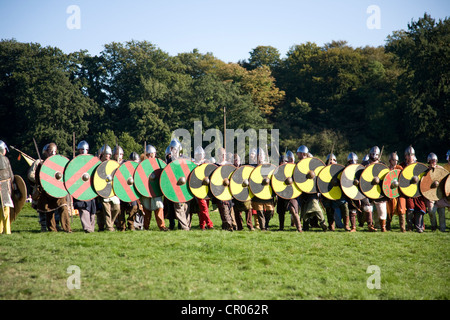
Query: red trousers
x=203, y=214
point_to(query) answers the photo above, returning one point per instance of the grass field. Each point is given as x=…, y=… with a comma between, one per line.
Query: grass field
x=222, y=265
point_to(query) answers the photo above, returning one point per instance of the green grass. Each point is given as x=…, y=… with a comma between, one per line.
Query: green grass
x=222, y=265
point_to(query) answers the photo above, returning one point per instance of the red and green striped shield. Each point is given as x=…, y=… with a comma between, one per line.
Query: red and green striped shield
x=174, y=181
x=146, y=177
x=52, y=174
x=123, y=182
x=78, y=176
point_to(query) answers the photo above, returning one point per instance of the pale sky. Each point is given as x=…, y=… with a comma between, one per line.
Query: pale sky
x=228, y=29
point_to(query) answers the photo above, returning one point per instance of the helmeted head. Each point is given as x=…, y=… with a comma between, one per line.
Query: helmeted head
x=374, y=153
x=221, y=155
x=3, y=147
x=432, y=158
x=199, y=154
x=448, y=155
x=175, y=148
x=134, y=157
x=393, y=158
x=282, y=159
x=150, y=151
x=261, y=156
x=331, y=159
x=290, y=157
x=50, y=150
x=83, y=147
x=352, y=158
x=302, y=152
x=410, y=155
x=105, y=152
x=118, y=153
x=366, y=158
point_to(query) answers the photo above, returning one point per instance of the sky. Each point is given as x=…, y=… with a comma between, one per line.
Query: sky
x=229, y=29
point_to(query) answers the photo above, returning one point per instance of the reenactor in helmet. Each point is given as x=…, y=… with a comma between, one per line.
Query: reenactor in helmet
x=202, y=205
x=54, y=209
x=118, y=154
x=290, y=205
x=224, y=206
x=432, y=206
x=242, y=206
x=309, y=203
x=444, y=202
x=127, y=208
x=177, y=210
x=6, y=189
x=264, y=208
x=415, y=207
x=83, y=147
x=395, y=206
x=354, y=206
x=150, y=205
x=86, y=209
x=110, y=207
x=380, y=204
x=331, y=205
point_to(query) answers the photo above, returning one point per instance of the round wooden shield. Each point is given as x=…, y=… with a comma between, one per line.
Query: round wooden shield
x=52, y=176
x=260, y=181
x=220, y=182
x=410, y=177
x=390, y=184
x=372, y=179
x=78, y=176
x=306, y=172
x=174, y=180
x=103, y=178
x=19, y=197
x=329, y=181
x=123, y=182
x=447, y=187
x=199, y=180
x=239, y=183
x=432, y=184
x=350, y=180
x=147, y=175
x=283, y=182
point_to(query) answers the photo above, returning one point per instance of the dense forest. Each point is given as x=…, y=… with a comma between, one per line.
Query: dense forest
x=330, y=96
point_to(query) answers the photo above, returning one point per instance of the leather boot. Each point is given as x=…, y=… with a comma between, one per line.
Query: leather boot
x=383, y=225
x=370, y=225
x=402, y=220
x=353, y=221
x=346, y=223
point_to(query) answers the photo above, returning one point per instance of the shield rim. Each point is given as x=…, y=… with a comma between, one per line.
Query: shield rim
x=62, y=179
x=326, y=194
x=268, y=186
x=360, y=193
x=417, y=193
x=295, y=195
x=90, y=184
x=250, y=193
x=380, y=184
x=209, y=192
x=190, y=195
x=96, y=175
x=131, y=187
x=301, y=184
x=228, y=195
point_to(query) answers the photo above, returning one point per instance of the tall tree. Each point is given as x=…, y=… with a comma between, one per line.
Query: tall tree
x=424, y=88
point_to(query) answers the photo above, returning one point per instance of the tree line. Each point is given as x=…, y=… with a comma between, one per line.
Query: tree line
x=326, y=97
